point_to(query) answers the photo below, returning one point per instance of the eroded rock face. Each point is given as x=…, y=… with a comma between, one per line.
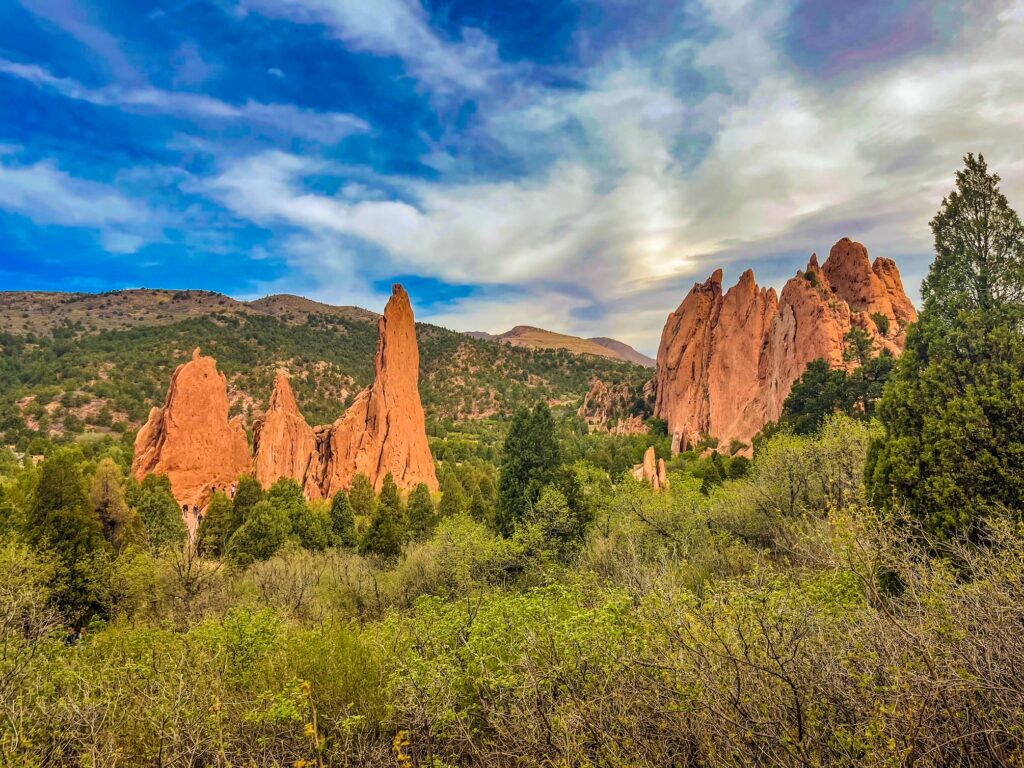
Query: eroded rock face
x=191, y=439
x=283, y=442
x=618, y=408
x=727, y=362
x=385, y=429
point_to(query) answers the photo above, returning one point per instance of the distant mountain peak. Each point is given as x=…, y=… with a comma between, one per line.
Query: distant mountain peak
x=532, y=337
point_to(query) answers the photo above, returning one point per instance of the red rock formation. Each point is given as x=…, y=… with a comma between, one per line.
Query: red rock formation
x=745, y=316
x=384, y=430
x=652, y=471
x=283, y=442
x=714, y=339
x=191, y=439
x=683, y=357
x=809, y=324
x=619, y=408
x=727, y=363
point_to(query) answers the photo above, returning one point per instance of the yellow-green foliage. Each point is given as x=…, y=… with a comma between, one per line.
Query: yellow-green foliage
x=775, y=621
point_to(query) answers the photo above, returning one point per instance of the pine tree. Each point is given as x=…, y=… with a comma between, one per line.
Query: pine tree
x=121, y=523
x=453, y=495
x=309, y=527
x=265, y=530
x=247, y=495
x=531, y=459
x=979, y=247
x=159, y=511
x=387, y=528
x=953, y=411
x=343, y=521
x=60, y=520
x=361, y=496
x=422, y=516
x=216, y=528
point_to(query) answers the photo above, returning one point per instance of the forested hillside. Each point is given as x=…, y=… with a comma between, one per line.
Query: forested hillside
x=74, y=378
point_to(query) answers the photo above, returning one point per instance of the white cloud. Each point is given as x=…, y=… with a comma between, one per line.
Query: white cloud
x=396, y=28
x=48, y=195
x=327, y=127
x=605, y=239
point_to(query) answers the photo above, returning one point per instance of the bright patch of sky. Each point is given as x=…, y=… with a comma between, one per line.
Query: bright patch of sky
x=573, y=165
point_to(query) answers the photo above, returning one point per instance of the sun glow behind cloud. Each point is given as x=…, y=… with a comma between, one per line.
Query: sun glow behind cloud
x=585, y=190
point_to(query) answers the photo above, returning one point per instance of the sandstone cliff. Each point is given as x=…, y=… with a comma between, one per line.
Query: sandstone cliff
x=726, y=363
x=191, y=439
x=283, y=442
x=385, y=429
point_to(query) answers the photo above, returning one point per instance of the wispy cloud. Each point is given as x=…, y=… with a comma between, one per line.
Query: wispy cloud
x=47, y=195
x=397, y=28
x=286, y=119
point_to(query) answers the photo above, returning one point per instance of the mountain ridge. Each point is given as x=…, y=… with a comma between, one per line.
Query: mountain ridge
x=540, y=338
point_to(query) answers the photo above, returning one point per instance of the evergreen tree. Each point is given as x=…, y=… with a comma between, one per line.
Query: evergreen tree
x=247, y=495
x=422, y=516
x=343, y=522
x=309, y=527
x=453, y=495
x=121, y=523
x=953, y=411
x=390, y=496
x=979, y=247
x=818, y=393
x=61, y=520
x=161, y=517
x=215, y=530
x=361, y=496
x=387, y=525
x=263, y=533
x=531, y=459
x=562, y=525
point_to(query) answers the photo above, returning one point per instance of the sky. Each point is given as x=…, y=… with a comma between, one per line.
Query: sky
x=571, y=164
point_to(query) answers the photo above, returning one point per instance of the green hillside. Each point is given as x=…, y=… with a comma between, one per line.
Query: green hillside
x=104, y=375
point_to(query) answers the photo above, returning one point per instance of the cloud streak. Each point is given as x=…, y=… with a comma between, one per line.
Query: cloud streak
x=287, y=119
x=399, y=28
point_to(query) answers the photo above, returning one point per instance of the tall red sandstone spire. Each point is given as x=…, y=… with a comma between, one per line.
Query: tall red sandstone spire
x=191, y=439
x=727, y=363
x=283, y=442
x=385, y=429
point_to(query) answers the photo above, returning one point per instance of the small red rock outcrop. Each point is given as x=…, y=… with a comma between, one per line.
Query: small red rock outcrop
x=652, y=471
x=385, y=429
x=726, y=363
x=283, y=442
x=191, y=439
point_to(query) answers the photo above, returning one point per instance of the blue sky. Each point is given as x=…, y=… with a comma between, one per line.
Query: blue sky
x=574, y=165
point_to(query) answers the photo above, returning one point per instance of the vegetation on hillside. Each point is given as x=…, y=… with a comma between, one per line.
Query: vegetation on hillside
x=69, y=383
